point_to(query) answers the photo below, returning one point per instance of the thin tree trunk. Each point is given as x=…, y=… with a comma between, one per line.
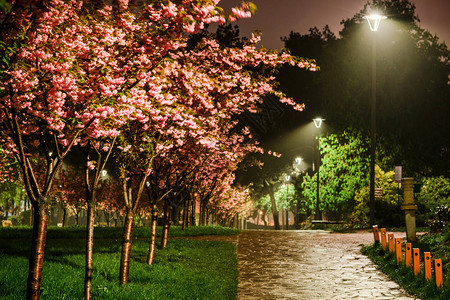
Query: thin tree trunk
x=185, y=215
x=166, y=227
x=106, y=215
x=192, y=223
x=89, y=251
x=31, y=214
x=151, y=249
x=274, y=209
x=36, y=260
x=64, y=216
x=126, y=248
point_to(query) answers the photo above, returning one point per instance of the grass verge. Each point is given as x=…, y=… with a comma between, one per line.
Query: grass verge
x=438, y=245
x=185, y=269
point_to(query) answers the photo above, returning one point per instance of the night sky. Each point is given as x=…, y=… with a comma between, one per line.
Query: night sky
x=276, y=18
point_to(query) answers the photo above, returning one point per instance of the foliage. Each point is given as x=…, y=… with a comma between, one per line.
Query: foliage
x=186, y=269
x=387, y=208
x=441, y=219
x=343, y=171
x=11, y=193
x=435, y=191
x=5, y=5
x=285, y=197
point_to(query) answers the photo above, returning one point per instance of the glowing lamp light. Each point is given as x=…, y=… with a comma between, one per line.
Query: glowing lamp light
x=298, y=160
x=288, y=177
x=374, y=21
x=318, y=122
x=104, y=172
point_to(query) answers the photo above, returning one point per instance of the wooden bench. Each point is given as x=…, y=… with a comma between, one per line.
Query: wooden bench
x=325, y=222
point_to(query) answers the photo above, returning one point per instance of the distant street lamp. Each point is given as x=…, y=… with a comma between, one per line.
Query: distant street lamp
x=374, y=22
x=287, y=177
x=318, y=123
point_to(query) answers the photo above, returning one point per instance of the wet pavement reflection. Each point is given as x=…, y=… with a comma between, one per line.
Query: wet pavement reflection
x=309, y=265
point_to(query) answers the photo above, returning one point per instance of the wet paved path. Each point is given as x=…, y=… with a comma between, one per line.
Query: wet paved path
x=309, y=265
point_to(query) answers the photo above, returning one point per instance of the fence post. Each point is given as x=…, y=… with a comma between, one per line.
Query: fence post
x=391, y=242
x=408, y=255
x=383, y=238
x=398, y=249
x=427, y=265
x=376, y=234
x=438, y=272
x=416, y=253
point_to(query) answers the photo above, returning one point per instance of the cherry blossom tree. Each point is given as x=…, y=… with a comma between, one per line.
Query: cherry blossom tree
x=94, y=74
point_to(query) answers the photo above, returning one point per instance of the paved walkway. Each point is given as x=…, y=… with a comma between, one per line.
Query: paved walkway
x=310, y=265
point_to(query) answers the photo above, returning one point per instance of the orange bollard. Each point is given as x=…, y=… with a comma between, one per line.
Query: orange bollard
x=383, y=238
x=391, y=242
x=408, y=255
x=398, y=250
x=416, y=254
x=376, y=234
x=427, y=265
x=438, y=272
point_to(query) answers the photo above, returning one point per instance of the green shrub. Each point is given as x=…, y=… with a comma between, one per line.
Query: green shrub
x=434, y=193
x=441, y=219
x=15, y=220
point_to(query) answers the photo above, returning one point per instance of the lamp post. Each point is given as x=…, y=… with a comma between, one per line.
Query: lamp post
x=288, y=177
x=318, y=123
x=374, y=22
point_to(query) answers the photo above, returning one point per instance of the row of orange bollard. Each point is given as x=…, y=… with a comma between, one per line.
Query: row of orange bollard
x=412, y=255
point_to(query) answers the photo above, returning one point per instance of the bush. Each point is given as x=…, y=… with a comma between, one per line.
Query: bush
x=434, y=193
x=15, y=220
x=387, y=208
x=441, y=219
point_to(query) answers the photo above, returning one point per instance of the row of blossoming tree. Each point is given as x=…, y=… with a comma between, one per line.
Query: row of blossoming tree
x=115, y=79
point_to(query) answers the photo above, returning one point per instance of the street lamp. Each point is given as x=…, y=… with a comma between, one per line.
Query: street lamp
x=287, y=177
x=318, y=123
x=374, y=22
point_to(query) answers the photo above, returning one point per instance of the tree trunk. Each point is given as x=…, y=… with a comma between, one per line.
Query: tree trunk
x=64, y=216
x=207, y=215
x=151, y=249
x=166, y=227
x=126, y=247
x=185, y=215
x=287, y=219
x=36, y=260
x=192, y=222
x=274, y=209
x=89, y=251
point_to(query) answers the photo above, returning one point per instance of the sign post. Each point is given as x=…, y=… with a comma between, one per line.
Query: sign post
x=398, y=174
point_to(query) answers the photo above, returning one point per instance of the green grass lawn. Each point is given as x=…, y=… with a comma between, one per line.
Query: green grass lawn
x=438, y=245
x=186, y=269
